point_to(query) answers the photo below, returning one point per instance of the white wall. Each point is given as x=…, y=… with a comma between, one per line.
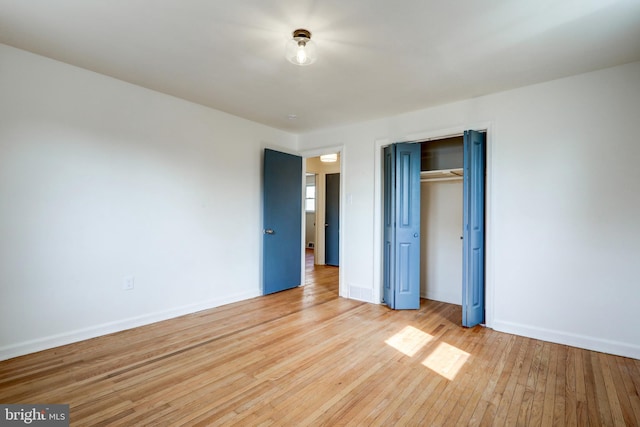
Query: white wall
x=100, y=179
x=563, y=203
x=440, y=243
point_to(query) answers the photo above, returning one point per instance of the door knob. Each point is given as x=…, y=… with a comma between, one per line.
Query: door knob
x=269, y=231
x=415, y=234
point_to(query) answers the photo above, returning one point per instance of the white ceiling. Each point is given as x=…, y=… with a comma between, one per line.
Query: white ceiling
x=377, y=58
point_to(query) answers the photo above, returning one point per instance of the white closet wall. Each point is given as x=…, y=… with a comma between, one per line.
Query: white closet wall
x=440, y=245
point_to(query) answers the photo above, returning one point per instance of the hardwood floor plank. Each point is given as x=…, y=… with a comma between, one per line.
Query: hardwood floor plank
x=307, y=357
x=491, y=414
x=507, y=393
x=559, y=417
x=592, y=415
x=535, y=416
x=582, y=398
x=358, y=401
x=443, y=334
x=621, y=393
x=570, y=391
x=604, y=408
x=526, y=404
x=479, y=372
x=449, y=404
x=484, y=401
x=627, y=375
x=548, y=404
x=613, y=402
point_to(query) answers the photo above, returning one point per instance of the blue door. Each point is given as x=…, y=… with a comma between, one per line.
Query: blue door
x=401, y=253
x=332, y=220
x=388, y=264
x=282, y=219
x=473, y=228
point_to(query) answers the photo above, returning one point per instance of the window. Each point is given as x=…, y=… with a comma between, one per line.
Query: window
x=310, y=196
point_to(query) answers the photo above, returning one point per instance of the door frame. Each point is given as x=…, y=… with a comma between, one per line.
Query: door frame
x=430, y=135
x=317, y=152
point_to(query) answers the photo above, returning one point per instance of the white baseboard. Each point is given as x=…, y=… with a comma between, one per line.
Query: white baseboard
x=32, y=346
x=442, y=297
x=566, y=338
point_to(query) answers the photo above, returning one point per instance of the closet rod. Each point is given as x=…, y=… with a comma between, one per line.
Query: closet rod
x=449, y=178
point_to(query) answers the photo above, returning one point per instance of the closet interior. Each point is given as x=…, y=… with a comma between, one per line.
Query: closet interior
x=441, y=219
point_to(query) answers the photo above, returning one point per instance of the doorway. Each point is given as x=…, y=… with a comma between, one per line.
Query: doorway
x=326, y=215
x=283, y=175
x=402, y=175
x=441, y=219
x=314, y=165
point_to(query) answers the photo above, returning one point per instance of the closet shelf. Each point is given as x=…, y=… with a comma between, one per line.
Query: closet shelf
x=441, y=175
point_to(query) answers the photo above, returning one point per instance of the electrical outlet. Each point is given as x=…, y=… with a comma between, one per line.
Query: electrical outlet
x=127, y=283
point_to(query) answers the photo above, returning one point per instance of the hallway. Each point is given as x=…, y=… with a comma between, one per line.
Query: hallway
x=322, y=276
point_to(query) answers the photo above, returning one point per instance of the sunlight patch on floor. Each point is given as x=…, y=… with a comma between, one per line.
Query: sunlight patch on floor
x=409, y=340
x=446, y=360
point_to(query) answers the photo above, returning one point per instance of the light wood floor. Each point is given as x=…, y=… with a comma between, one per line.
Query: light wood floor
x=307, y=357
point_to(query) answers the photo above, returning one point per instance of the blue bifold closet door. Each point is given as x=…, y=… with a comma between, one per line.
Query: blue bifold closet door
x=401, y=211
x=473, y=255
x=401, y=218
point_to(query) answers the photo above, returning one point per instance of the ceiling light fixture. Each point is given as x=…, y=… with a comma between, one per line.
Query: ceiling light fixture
x=300, y=49
x=329, y=158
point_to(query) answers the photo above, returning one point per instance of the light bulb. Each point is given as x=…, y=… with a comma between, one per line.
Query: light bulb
x=301, y=54
x=300, y=49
